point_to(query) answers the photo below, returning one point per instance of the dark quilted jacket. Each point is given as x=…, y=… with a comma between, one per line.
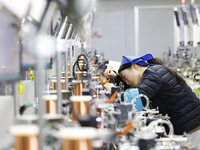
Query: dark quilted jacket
x=179, y=102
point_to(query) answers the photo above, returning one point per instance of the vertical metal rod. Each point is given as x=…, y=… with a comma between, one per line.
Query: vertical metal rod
x=46, y=80
x=63, y=27
x=69, y=32
x=75, y=51
x=70, y=53
x=39, y=91
x=27, y=73
x=16, y=99
x=66, y=70
x=58, y=70
x=35, y=90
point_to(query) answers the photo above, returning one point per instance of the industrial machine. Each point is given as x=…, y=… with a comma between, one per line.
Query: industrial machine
x=52, y=90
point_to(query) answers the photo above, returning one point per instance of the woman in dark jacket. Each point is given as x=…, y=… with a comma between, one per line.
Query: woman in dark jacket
x=166, y=90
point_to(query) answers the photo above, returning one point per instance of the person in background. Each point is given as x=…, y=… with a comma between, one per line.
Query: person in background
x=166, y=90
x=109, y=71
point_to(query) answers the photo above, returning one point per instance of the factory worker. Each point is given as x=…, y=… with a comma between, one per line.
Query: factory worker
x=109, y=70
x=165, y=89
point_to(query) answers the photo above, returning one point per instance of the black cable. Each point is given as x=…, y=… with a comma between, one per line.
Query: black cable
x=77, y=64
x=92, y=51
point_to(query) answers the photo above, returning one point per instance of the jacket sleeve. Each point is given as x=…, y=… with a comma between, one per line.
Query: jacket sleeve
x=150, y=84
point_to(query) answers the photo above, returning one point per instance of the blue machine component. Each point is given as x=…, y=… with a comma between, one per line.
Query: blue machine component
x=130, y=94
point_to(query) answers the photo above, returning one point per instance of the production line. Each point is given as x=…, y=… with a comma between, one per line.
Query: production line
x=56, y=88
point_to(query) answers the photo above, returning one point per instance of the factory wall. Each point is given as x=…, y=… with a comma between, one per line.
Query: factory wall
x=115, y=24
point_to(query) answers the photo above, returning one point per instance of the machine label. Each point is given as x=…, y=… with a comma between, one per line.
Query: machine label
x=20, y=87
x=32, y=76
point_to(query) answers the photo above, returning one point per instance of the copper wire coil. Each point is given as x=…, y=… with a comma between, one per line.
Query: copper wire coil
x=84, y=85
x=69, y=66
x=77, y=145
x=54, y=85
x=78, y=88
x=81, y=65
x=26, y=143
x=51, y=106
x=79, y=75
x=26, y=136
x=80, y=108
x=63, y=74
x=78, y=138
x=81, y=57
x=80, y=105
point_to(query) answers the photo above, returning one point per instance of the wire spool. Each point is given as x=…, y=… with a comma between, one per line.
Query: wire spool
x=63, y=74
x=80, y=106
x=26, y=137
x=78, y=87
x=78, y=138
x=50, y=103
x=80, y=74
x=69, y=66
x=54, y=84
x=81, y=65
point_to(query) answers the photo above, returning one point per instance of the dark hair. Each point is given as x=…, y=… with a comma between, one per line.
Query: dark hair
x=179, y=79
x=124, y=66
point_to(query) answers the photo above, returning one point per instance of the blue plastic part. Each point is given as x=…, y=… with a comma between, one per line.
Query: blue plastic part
x=130, y=94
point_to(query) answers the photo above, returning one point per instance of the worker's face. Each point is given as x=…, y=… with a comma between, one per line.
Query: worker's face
x=131, y=76
x=109, y=73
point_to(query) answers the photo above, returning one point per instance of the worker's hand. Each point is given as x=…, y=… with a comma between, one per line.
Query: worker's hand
x=108, y=86
x=109, y=73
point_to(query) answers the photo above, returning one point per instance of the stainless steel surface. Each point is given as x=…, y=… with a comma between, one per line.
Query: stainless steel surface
x=7, y=116
x=16, y=99
x=39, y=89
x=62, y=30
x=69, y=32
x=66, y=70
x=58, y=67
x=71, y=59
x=46, y=80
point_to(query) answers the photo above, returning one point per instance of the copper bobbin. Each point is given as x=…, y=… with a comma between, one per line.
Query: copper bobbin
x=54, y=84
x=81, y=65
x=79, y=75
x=26, y=137
x=26, y=143
x=69, y=67
x=50, y=104
x=78, y=138
x=80, y=106
x=63, y=74
x=78, y=87
x=84, y=84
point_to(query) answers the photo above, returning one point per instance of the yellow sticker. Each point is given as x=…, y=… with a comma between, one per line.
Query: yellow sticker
x=20, y=87
x=32, y=77
x=48, y=70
